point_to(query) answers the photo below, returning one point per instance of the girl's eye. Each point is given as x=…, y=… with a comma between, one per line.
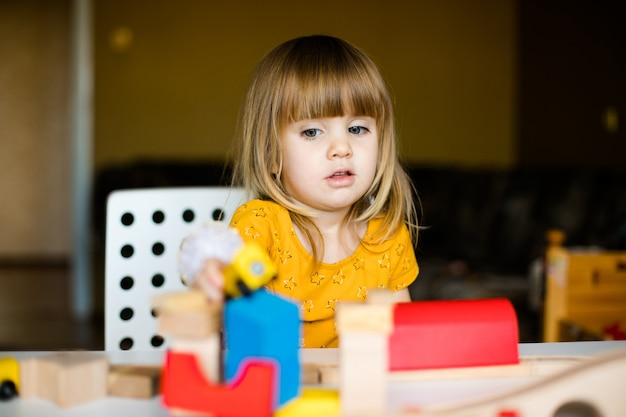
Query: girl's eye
x=357, y=130
x=311, y=133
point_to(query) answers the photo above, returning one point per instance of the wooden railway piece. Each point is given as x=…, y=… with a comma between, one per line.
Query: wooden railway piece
x=328, y=374
x=594, y=387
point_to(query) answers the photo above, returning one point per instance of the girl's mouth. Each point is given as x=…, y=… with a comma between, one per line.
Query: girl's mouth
x=341, y=179
x=341, y=174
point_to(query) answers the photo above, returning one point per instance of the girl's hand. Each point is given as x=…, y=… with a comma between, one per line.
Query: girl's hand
x=203, y=256
x=210, y=280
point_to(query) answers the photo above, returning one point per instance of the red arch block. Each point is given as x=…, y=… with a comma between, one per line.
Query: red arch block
x=184, y=386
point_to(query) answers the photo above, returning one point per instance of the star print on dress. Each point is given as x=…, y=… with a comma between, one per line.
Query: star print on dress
x=400, y=249
x=277, y=241
x=317, y=279
x=290, y=283
x=332, y=304
x=384, y=262
x=406, y=264
x=338, y=278
x=251, y=231
x=285, y=256
x=359, y=263
x=308, y=305
x=362, y=292
x=260, y=212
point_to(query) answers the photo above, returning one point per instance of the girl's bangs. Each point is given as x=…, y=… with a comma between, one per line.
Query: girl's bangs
x=329, y=95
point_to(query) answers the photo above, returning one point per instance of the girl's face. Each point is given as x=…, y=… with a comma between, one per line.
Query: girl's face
x=329, y=163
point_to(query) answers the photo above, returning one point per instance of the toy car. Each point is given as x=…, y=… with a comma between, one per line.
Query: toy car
x=9, y=378
x=250, y=270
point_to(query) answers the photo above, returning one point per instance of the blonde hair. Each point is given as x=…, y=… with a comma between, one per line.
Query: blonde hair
x=314, y=77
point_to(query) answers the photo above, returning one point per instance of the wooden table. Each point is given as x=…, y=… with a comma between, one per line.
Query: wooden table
x=401, y=393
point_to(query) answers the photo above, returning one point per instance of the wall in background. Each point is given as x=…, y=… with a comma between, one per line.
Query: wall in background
x=35, y=172
x=572, y=67
x=170, y=76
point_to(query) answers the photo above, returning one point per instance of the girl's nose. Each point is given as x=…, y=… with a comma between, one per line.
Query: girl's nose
x=340, y=148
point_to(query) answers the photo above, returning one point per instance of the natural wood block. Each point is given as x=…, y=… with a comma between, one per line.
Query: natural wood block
x=208, y=352
x=363, y=374
x=329, y=374
x=320, y=374
x=187, y=314
x=189, y=300
x=132, y=381
x=189, y=324
x=364, y=355
x=310, y=374
x=68, y=378
x=361, y=317
x=380, y=296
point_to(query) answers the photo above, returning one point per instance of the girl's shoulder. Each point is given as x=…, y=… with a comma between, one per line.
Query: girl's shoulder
x=263, y=221
x=372, y=238
x=262, y=210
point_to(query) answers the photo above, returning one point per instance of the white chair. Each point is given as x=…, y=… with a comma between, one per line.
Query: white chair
x=144, y=229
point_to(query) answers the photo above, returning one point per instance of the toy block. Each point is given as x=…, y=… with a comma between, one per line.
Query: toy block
x=264, y=326
x=320, y=374
x=364, y=333
x=251, y=394
x=453, y=333
x=193, y=325
x=208, y=352
x=313, y=402
x=310, y=374
x=187, y=314
x=132, y=381
x=363, y=374
x=365, y=317
x=380, y=296
x=68, y=379
x=329, y=374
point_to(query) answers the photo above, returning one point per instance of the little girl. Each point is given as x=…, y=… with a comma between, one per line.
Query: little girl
x=332, y=205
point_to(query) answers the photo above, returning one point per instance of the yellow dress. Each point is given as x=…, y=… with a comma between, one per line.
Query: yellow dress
x=390, y=264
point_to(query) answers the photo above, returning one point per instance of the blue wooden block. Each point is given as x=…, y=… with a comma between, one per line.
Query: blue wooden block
x=264, y=325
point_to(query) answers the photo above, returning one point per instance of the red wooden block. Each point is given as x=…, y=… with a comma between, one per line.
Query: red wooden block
x=250, y=395
x=453, y=333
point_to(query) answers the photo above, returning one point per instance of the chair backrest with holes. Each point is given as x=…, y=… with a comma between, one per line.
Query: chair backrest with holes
x=144, y=229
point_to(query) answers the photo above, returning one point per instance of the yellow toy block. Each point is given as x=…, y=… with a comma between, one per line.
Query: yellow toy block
x=314, y=402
